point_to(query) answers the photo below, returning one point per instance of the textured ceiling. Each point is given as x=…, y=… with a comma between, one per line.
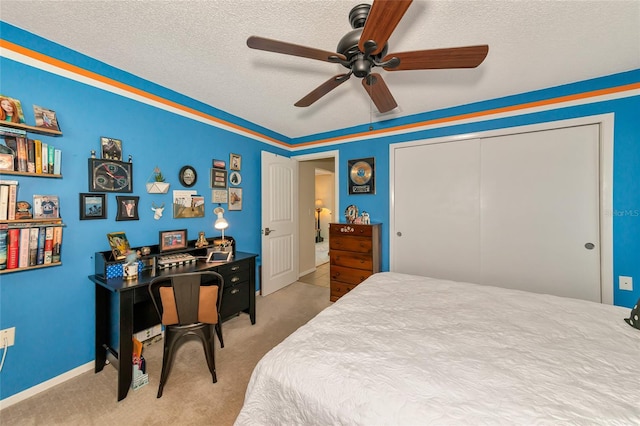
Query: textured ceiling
x=198, y=48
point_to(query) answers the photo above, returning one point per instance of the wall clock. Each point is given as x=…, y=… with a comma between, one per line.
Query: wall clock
x=110, y=176
x=188, y=176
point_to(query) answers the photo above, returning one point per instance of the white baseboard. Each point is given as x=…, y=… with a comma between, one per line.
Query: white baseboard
x=28, y=393
x=308, y=271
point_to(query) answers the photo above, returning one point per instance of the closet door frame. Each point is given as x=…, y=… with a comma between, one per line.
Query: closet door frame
x=606, y=123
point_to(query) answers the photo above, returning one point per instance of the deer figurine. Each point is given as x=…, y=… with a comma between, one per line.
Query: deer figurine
x=157, y=211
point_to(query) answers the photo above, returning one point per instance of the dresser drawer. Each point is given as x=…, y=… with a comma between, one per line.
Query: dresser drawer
x=339, y=289
x=350, y=229
x=235, y=298
x=349, y=275
x=351, y=259
x=357, y=244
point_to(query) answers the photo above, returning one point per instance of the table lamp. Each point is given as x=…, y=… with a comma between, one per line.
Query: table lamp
x=220, y=223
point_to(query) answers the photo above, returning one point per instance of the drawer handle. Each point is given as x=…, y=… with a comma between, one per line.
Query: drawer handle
x=234, y=291
x=235, y=268
x=235, y=279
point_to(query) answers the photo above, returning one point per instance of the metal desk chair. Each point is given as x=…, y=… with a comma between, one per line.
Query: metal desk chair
x=188, y=305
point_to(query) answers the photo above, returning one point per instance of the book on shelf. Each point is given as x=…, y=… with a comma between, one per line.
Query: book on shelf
x=4, y=202
x=22, y=154
x=23, y=248
x=13, y=144
x=51, y=158
x=41, y=242
x=31, y=156
x=4, y=231
x=38, y=152
x=11, y=132
x=33, y=245
x=13, y=199
x=13, y=246
x=45, y=157
x=48, y=245
x=57, y=244
x=57, y=161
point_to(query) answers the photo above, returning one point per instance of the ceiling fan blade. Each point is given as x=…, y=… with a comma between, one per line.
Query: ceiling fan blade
x=382, y=20
x=379, y=92
x=322, y=90
x=453, y=57
x=276, y=46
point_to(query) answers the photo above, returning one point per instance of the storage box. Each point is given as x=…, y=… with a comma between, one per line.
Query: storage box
x=139, y=378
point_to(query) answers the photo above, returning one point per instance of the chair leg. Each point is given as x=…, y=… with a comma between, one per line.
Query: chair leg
x=208, y=343
x=167, y=360
x=219, y=332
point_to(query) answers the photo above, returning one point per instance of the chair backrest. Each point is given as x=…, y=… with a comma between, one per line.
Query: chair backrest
x=189, y=298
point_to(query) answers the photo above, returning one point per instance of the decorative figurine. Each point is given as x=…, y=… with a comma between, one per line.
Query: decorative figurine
x=202, y=241
x=157, y=211
x=365, y=218
x=23, y=210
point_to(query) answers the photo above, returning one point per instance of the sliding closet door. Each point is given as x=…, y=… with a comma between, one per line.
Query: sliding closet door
x=539, y=215
x=436, y=210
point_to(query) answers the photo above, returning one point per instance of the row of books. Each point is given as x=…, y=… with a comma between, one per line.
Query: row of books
x=29, y=246
x=34, y=156
x=8, y=199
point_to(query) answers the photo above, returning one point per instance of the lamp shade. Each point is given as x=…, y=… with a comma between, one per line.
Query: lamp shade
x=221, y=222
x=319, y=204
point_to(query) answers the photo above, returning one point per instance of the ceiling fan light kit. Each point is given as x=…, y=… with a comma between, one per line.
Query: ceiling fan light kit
x=365, y=47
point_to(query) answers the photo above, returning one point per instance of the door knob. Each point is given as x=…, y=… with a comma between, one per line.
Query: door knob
x=267, y=231
x=589, y=246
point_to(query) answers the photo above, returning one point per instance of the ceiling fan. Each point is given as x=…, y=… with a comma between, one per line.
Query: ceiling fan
x=365, y=47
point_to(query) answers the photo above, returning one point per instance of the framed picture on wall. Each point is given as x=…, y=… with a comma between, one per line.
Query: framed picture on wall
x=218, y=178
x=235, y=161
x=362, y=176
x=235, y=198
x=93, y=206
x=127, y=208
x=111, y=149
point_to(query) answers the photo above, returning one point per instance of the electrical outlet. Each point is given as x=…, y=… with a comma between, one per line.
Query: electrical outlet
x=625, y=283
x=9, y=334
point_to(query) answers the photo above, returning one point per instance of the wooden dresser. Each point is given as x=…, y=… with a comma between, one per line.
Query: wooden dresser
x=354, y=253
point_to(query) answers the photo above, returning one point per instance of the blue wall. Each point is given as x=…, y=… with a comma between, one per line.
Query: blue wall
x=52, y=309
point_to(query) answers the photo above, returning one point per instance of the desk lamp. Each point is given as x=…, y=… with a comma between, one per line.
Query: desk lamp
x=220, y=223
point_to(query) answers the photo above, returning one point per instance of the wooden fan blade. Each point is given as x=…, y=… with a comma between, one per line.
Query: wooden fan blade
x=276, y=46
x=383, y=18
x=453, y=57
x=379, y=92
x=322, y=90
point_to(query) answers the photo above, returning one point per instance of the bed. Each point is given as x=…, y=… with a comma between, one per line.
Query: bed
x=408, y=350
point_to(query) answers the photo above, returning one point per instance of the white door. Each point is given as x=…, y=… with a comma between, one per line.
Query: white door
x=279, y=222
x=539, y=213
x=515, y=211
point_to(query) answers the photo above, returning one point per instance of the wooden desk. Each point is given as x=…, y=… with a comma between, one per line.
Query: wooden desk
x=130, y=301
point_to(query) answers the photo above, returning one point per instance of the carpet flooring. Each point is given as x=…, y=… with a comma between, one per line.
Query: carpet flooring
x=190, y=397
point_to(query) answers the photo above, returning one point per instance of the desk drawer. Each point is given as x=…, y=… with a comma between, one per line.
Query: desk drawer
x=235, y=298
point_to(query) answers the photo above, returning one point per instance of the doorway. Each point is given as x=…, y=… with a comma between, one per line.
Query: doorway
x=318, y=202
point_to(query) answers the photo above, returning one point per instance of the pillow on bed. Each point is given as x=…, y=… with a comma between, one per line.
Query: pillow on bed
x=634, y=318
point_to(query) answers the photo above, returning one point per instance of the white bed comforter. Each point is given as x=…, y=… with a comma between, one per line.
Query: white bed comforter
x=408, y=350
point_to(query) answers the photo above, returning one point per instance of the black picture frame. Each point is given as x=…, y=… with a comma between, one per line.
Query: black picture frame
x=188, y=176
x=361, y=174
x=218, y=179
x=93, y=206
x=218, y=164
x=172, y=240
x=127, y=207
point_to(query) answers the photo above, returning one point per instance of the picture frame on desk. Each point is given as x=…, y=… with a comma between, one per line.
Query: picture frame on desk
x=119, y=245
x=127, y=208
x=172, y=240
x=93, y=206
